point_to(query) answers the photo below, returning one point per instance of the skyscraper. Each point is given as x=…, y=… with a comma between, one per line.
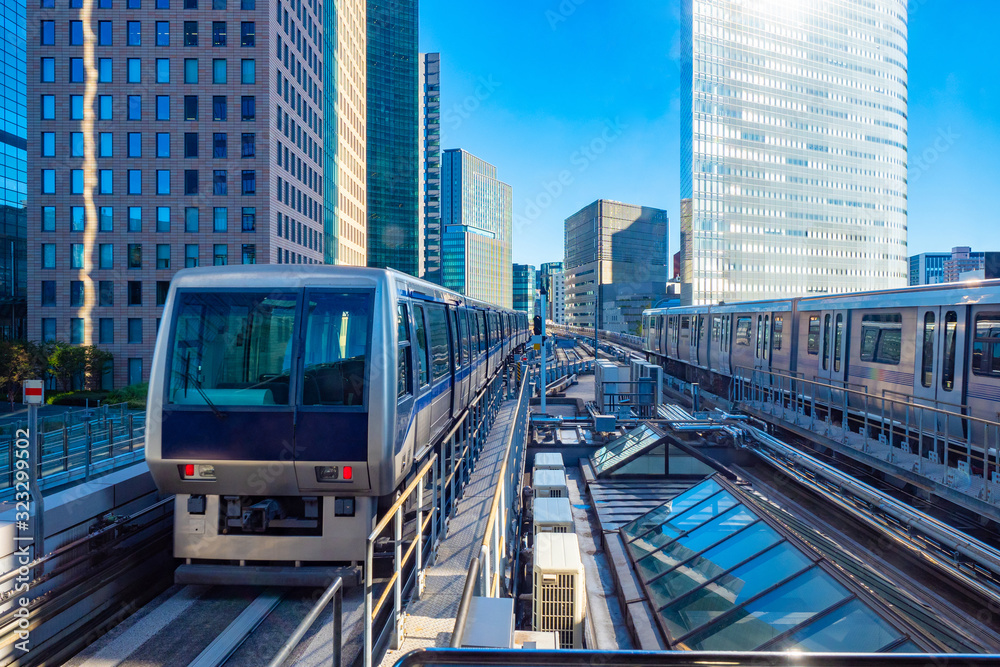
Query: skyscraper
x=165, y=135
x=476, y=217
x=430, y=165
x=524, y=289
x=14, y=187
x=616, y=264
x=554, y=280
x=392, y=139
x=793, y=147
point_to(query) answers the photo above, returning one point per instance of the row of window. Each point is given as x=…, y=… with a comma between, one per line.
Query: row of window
x=296, y=232
x=105, y=108
x=220, y=70
x=192, y=216
x=105, y=144
x=133, y=36
x=105, y=293
x=246, y=5
x=105, y=182
x=105, y=329
x=105, y=253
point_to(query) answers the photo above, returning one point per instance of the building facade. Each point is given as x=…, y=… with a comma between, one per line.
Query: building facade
x=166, y=135
x=962, y=260
x=392, y=136
x=476, y=218
x=793, y=148
x=553, y=277
x=430, y=166
x=524, y=289
x=13, y=187
x=927, y=268
x=616, y=261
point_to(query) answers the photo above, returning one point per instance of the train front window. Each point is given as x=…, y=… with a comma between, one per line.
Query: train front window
x=335, y=360
x=232, y=348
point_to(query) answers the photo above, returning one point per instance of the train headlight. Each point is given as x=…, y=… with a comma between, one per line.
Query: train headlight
x=334, y=473
x=198, y=471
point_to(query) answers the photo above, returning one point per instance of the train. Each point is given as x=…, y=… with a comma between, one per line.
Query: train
x=288, y=403
x=936, y=346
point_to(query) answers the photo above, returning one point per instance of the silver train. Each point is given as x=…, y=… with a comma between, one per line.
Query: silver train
x=936, y=346
x=286, y=401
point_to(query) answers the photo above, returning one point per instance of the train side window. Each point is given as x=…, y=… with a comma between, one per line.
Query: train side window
x=838, y=340
x=685, y=326
x=826, y=341
x=483, y=333
x=927, y=361
x=403, y=353
x=743, y=325
x=948, y=365
x=882, y=338
x=421, y=334
x=456, y=346
x=760, y=338
x=986, y=345
x=463, y=328
x=812, y=344
x=777, y=324
x=437, y=325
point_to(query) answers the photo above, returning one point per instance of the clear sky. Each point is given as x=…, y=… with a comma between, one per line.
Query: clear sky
x=577, y=100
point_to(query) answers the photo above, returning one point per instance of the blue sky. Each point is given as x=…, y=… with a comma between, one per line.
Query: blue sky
x=576, y=100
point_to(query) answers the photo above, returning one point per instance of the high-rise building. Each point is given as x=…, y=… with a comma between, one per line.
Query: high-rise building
x=616, y=264
x=476, y=217
x=793, y=147
x=553, y=277
x=927, y=268
x=430, y=166
x=14, y=185
x=962, y=260
x=166, y=135
x=392, y=137
x=524, y=289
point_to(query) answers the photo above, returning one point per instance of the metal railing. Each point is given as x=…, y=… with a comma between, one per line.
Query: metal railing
x=558, y=370
x=963, y=449
x=335, y=592
x=488, y=569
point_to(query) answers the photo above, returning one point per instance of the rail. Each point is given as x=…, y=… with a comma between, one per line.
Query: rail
x=335, y=592
x=488, y=569
x=922, y=439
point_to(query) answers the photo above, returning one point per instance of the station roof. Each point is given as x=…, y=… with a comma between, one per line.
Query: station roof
x=620, y=451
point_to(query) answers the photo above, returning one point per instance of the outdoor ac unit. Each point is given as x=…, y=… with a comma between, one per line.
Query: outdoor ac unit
x=559, y=597
x=552, y=515
x=548, y=461
x=550, y=484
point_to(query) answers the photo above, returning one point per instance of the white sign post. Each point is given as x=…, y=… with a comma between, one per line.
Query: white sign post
x=34, y=396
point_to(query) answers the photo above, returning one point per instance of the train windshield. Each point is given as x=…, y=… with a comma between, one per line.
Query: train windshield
x=232, y=348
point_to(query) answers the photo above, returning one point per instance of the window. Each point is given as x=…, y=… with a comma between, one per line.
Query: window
x=421, y=340
x=105, y=145
x=104, y=33
x=249, y=182
x=48, y=292
x=248, y=71
x=106, y=256
x=249, y=219
x=135, y=292
x=134, y=182
x=47, y=34
x=134, y=107
x=778, y=325
x=163, y=255
x=104, y=70
x=219, y=186
x=190, y=256
x=135, y=219
x=219, y=111
x=218, y=33
x=927, y=357
x=162, y=288
x=48, y=107
x=985, y=345
x=104, y=108
x=190, y=107
x=162, y=144
x=76, y=330
x=220, y=219
x=190, y=4
x=190, y=181
x=248, y=5
x=220, y=254
x=135, y=363
x=162, y=219
x=336, y=335
x=76, y=107
x=106, y=328
x=838, y=339
x=163, y=4
x=48, y=70
x=48, y=329
x=437, y=320
x=190, y=70
x=106, y=182
x=134, y=33
x=743, y=334
x=76, y=256
x=76, y=33
x=163, y=70
x=48, y=181
x=219, y=74
x=48, y=218
x=49, y=144
x=249, y=144
x=163, y=33
x=948, y=351
x=162, y=107
x=76, y=70
x=135, y=255
x=106, y=293
x=191, y=219
x=106, y=219
x=219, y=145
x=249, y=107
x=134, y=70
x=249, y=253
x=219, y=5
x=133, y=4
x=881, y=338
x=76, y=293
x=827, y=334
x=48, y=255
x=76, y=181
x=190, y=33
x=77, y=219
x=247, y=33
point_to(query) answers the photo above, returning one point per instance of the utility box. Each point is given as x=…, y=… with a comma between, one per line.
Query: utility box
x=547, y=461
x=559, y=597
x=550, y=484
x=552, y=515
x=490, y=623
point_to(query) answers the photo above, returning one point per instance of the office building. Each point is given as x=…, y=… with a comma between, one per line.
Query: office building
x=962, y=260
x=553, y=278
x=175, y=133
x=430, y=166
x=793, y=148
x=524, y=289
x=476, y=217
x=13, y=187
x=927, y=268
x=615, y=265
x=392, y=136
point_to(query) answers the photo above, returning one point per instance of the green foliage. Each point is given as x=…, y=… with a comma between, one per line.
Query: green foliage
x=22, y=360
x=77, y=398
x=134, y=395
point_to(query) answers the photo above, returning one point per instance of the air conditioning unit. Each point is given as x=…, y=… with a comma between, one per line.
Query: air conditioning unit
x=559, y=597
x=547, y=461
x=550, y=484
x=552, y=515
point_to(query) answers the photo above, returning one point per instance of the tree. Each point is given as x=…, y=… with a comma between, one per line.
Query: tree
x=22, y=360
x=67, y=362
x=96, y=360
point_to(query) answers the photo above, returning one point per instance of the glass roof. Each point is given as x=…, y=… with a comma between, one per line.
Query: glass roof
x=620, y=451
x=720, y=578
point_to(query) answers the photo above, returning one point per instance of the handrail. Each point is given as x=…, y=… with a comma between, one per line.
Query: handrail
x=403, y=497
x=461, y=616
x=335, y=591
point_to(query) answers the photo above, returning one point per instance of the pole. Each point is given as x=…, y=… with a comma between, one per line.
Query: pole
x=34, y=456
x=544, y=356
x=597, y=301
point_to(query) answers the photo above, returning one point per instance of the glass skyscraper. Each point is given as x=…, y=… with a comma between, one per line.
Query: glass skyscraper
x=793, y=148
x=476, y=216
x=524, y=289
x=430, y=165
x=13, y=185
x=392, y=143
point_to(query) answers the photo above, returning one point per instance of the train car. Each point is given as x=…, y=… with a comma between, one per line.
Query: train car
x=286, y=402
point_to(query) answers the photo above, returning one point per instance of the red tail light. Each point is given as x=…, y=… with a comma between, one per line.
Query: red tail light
x=189, y=470
x=348, y=472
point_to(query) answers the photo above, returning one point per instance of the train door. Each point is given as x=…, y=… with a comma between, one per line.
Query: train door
x=404, y=384
x=762, y=344
x=926, y=361
x=421, y=374
x=465, y=370
x=456, y=361
x=833, y=353
x=440, y=364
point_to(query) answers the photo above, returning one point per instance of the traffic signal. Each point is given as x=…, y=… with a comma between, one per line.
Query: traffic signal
x=538, y=325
